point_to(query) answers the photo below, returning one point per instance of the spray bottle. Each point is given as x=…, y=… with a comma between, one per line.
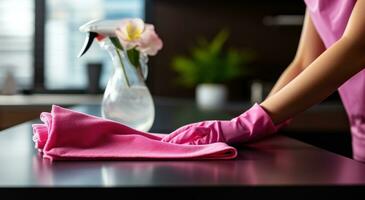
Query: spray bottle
x=126, y=98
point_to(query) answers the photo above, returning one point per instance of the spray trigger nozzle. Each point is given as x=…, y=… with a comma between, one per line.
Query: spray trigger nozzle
x=88, y=41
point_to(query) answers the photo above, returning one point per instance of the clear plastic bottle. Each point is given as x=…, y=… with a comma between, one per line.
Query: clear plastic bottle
x=127, y=99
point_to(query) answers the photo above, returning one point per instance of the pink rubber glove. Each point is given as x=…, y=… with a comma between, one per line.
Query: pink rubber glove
x=253, y=124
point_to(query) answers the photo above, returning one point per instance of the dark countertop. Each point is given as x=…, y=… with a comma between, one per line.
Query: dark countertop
x=277, y=162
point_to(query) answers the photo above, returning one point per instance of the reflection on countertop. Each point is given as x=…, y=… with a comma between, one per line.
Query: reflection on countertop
x=324, y=117
x=49, y=99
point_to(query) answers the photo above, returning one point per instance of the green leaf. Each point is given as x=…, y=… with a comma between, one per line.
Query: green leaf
x=218, y=41
x=133, y=55
x=116, y=43
x=187, y=69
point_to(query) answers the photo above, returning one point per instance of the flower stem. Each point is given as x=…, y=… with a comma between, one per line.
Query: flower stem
x=123, y=68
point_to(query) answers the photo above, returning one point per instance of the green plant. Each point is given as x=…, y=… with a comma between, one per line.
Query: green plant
x=210, y=63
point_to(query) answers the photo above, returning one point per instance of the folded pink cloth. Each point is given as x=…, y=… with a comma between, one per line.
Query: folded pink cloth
x=71, y=135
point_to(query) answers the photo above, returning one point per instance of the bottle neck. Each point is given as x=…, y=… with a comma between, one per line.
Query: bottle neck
x=122, y=64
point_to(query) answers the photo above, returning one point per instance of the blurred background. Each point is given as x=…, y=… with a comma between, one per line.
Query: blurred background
x=40, y=41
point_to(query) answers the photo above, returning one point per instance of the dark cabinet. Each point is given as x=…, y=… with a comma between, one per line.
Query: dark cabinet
x=271, y=29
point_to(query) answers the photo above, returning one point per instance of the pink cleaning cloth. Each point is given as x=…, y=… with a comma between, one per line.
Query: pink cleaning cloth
x=71, y=135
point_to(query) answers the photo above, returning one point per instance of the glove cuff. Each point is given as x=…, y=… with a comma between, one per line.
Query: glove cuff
x=252, y=125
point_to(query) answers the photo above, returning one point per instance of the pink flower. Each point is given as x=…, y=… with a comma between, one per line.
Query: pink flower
x=134, y=33
x=129, y=32
x=149, y=43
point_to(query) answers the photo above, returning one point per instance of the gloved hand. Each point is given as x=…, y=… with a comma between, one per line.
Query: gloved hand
x=253, y=124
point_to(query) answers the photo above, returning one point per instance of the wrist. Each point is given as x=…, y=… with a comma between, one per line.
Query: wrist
x=253, y=124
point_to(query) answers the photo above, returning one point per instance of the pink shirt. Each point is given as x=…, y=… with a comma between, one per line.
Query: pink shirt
x=330, y=18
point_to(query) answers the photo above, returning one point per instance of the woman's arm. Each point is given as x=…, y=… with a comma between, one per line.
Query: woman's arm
x=323, y=76
x=309, y=48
